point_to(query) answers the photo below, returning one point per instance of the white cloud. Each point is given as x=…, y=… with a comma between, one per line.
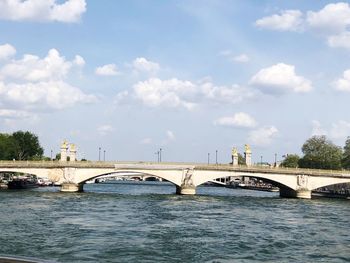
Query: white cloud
x=342, y=40
x=288, y=20
x=171, y=93
x=240, y=120
x=317, y=129
x=142, y=64
x=333, y=18
x=107, y=70
x=6, y=51
x=343, y=84
x=223, y=94
x=42, y=10
x=43, y=95
x=280, y=78
x=263, y=136
x=331, y=22
x=69, y=11
x=79, y=61
x=32, y=68
x=105, y=129
x=175, y=93
x=242, y=58
x=32, y=83
x=170, y=135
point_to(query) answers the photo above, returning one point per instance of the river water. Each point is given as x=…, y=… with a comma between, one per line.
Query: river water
x=147, y=222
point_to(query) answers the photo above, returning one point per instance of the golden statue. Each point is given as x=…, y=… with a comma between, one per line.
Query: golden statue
x=234, y=151
x=73, y=147
x=64, y=144
x=247, y=148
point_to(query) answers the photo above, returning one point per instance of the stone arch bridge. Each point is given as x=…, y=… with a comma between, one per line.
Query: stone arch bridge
x=185, y=176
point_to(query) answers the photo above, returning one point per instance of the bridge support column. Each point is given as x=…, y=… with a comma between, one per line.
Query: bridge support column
x=71, y=187
x=185, y=190
x=304, y=194
x=290, y=193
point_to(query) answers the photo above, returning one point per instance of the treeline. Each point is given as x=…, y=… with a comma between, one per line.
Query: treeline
x=320, y=153
x=20, y=145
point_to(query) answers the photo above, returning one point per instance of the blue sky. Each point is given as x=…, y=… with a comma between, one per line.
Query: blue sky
x=190, y=77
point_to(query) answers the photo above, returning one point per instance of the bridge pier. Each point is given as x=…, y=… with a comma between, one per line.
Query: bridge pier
x=71, y=187
x=185, y=190
x=290, y=193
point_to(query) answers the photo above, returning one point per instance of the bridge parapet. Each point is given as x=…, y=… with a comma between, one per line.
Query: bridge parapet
x=153, y=166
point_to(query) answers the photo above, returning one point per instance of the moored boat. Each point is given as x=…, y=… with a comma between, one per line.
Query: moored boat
x=22, y=183
x=259, y=187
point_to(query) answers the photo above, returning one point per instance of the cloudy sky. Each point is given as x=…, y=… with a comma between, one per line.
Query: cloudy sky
x=188, y=76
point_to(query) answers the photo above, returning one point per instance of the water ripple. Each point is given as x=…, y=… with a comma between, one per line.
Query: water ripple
x=148, y=223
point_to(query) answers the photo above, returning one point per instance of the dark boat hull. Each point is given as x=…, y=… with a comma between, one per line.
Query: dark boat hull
x=259, y=188
x=22, y=184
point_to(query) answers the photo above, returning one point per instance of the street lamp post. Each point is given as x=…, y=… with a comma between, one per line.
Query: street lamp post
x=261, y=160
x=208, y=158
x=104, y=155
x=160, y=155
x=275, y=159
x=157, y=153
x=216, y=156
x=51, y=155
x=99, y=153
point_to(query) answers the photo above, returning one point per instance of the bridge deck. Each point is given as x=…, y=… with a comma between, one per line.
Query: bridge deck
x=117, y=165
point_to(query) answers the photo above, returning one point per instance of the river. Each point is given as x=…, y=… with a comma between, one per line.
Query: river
x=147, y=222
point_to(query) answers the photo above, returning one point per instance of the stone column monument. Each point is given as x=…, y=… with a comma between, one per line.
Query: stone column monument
x=247, y=155
x=72, y=153
x=234, y=157
x=64, y=149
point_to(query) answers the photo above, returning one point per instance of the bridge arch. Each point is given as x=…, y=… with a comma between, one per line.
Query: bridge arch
x=328, y=182
x=284, y=181
x=124, y=174
x=173, y=176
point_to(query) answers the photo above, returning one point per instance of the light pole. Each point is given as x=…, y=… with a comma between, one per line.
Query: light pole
x=160, y=155
x=51, y=155
x=208, y=158
x=104, y=155
x=275, y=159
x=157, y=153
x=216, y=156
x=261, y=160
x=99, y=153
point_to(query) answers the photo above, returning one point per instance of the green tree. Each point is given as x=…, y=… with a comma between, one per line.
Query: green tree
x=241, y=160
x=58, y=156
x=346, y=155
x=7, y=147
x=291, y=160
x=27, y=146
x=320, y=153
